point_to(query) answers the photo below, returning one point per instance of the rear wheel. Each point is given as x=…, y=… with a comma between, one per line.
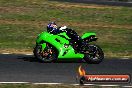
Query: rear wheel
x=49, y=54
x=93, y=54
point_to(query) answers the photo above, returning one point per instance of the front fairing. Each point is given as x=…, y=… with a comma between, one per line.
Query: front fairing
x=61, y=43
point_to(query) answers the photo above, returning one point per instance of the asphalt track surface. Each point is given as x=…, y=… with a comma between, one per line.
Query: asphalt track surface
x=100, y=2
x=24, y=68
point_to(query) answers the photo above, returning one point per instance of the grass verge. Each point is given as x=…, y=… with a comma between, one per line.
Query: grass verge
x=22, y=20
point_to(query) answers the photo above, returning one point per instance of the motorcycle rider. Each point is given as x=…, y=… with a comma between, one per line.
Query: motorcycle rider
x=52, y=28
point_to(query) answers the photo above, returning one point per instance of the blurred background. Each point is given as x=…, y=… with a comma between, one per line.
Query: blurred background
x=22, y=20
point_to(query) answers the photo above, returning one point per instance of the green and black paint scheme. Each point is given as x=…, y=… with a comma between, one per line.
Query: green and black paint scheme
x=50, y=47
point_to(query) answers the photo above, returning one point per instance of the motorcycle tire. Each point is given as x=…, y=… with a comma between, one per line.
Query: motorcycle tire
x=49, y=58
x=95, y=54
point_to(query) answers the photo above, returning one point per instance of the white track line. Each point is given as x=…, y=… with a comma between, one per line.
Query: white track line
x=125, y=58
x=63, y=83
x=27, y=83
x=75, y=84
x=13, y=82
x=5, y=53
x=48, y=83
x=29, y=54
x=24, y=54
x=127, y=86
x=84, y=84
x=89, y=84
x=108, y=85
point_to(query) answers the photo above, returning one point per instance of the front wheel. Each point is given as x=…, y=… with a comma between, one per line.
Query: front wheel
x=93, y=54
x=47, y=55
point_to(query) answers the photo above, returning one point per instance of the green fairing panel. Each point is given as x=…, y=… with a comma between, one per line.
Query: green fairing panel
x=43, y=46
x=63, y=52
x=64, y=34
x=87, y=35
x=70, y=53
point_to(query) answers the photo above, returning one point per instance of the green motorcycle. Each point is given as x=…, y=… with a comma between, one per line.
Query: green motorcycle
x=60, y=47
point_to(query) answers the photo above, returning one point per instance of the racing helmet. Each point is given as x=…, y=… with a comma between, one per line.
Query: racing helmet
x=51, y=26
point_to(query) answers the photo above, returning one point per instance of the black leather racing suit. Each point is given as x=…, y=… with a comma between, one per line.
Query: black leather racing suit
x=70, y=33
